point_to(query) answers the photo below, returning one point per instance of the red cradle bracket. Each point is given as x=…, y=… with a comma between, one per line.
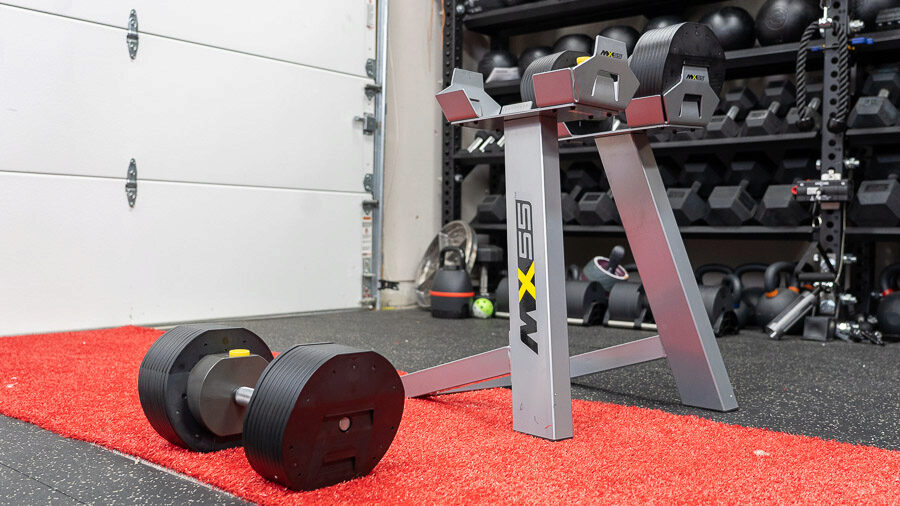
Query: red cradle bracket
x=465, y=98
x=554, y=88
x=645, y=111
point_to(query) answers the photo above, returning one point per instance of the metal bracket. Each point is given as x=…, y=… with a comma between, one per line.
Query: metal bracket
x=368, y=123
x=370, y=67
x=131, y=39
x=131, y=183
x=384, y=284
x=372, y=90
x=369, y=182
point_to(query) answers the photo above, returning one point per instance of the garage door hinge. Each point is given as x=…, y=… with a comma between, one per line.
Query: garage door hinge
x=132, y=37
x=370, y=67
x=369, y=203
x=369, y=125
x=131, y=183
x=372, y=90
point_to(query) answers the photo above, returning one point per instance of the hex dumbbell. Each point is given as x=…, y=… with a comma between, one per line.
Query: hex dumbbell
x=877, y=108
x=777, y=99
x=316, y=415
x=734, y=107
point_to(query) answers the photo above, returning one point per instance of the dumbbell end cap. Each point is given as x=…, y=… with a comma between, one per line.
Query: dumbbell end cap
x=836, y=126
x=805, y=124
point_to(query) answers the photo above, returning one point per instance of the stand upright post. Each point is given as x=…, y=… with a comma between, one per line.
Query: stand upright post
x=538, y=336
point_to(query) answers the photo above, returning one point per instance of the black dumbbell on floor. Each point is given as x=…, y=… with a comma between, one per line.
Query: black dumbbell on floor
x=777, y=99
x=877, y=108
x=211, y=387
x=733, y=107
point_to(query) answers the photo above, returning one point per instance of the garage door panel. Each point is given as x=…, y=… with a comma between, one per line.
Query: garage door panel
x=79, y=105
x=337, y=35
x=76, y=256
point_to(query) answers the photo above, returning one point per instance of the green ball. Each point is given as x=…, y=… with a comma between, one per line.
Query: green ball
x=482, y=308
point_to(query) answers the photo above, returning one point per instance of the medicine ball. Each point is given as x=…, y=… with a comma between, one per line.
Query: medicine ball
x=622, y=33
x=577, y=42
x=531, y=54
x=733, y=27
x=867, y=10
x=781, y=21
x=496, y=58
x=662, y=22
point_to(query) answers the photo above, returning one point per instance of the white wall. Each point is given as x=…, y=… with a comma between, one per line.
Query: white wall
x=412, y=186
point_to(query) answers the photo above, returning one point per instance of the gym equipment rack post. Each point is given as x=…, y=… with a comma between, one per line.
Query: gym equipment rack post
x=537, y=360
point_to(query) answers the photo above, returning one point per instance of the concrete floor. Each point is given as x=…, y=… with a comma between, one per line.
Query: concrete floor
x=835, y=390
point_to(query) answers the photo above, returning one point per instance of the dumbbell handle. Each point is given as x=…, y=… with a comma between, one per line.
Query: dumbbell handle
x=242, y=395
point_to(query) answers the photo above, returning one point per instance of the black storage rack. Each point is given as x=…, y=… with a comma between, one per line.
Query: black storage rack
x=500, y=24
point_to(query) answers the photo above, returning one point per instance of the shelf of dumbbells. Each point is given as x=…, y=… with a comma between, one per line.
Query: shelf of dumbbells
x=750, y=232
x=549, y=14
x=744, y=63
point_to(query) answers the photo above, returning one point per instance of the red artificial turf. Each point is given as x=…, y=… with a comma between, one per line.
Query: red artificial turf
x=457, y=448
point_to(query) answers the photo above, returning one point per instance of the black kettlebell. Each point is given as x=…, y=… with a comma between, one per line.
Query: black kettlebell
x=719, y=300
x=451, y=290
x=889, y=307
x=746, y=308
x=777, y=298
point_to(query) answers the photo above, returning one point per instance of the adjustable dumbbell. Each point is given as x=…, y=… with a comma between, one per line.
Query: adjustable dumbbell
x=877, y=108
x=316, y=415
x=735, y=106
x=777, y=99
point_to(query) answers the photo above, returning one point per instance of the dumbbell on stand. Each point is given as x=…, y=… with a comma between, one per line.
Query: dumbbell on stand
x=316, y=415
x=878, y=107
x=778, y=97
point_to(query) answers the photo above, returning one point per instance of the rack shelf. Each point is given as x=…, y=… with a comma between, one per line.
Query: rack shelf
x=749, y=232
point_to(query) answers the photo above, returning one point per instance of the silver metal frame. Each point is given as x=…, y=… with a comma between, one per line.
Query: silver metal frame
x=536, y=362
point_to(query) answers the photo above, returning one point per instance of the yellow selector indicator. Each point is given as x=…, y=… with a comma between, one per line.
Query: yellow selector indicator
x=240, y=352
x=582, y=59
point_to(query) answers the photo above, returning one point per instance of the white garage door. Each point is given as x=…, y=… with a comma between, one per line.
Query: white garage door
x=250, y=166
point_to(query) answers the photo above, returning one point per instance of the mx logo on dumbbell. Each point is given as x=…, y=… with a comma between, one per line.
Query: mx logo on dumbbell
x=525, y=241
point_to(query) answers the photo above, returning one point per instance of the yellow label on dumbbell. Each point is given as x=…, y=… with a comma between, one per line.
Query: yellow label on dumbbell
x=582, y=59
x=240, y=352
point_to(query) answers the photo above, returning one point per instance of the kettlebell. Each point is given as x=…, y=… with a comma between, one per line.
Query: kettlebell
x=746, y=308
x=719, y=300
x=451, y=290
x=776, y=299
x=889, y=307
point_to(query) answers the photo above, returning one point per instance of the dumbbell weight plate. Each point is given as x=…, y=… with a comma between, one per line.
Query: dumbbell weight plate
x=547, y=63
x=163, y=381
x=321, y=414
x=661, y=54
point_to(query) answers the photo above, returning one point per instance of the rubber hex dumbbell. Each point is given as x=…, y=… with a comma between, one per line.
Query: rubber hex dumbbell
x=730, y=206
x=708, y=171
x=687, y=205
x=778, y=97
x=796, y=164
x=734, y=107
x=579, y=178
x=598, y=208
x=211, y=387
x=779, y=208
x=756, y=169
x=878, y=107
x=491, y=209
x=813, y=116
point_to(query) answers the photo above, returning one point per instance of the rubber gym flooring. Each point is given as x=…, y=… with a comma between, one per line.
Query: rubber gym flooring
x=846, y=392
